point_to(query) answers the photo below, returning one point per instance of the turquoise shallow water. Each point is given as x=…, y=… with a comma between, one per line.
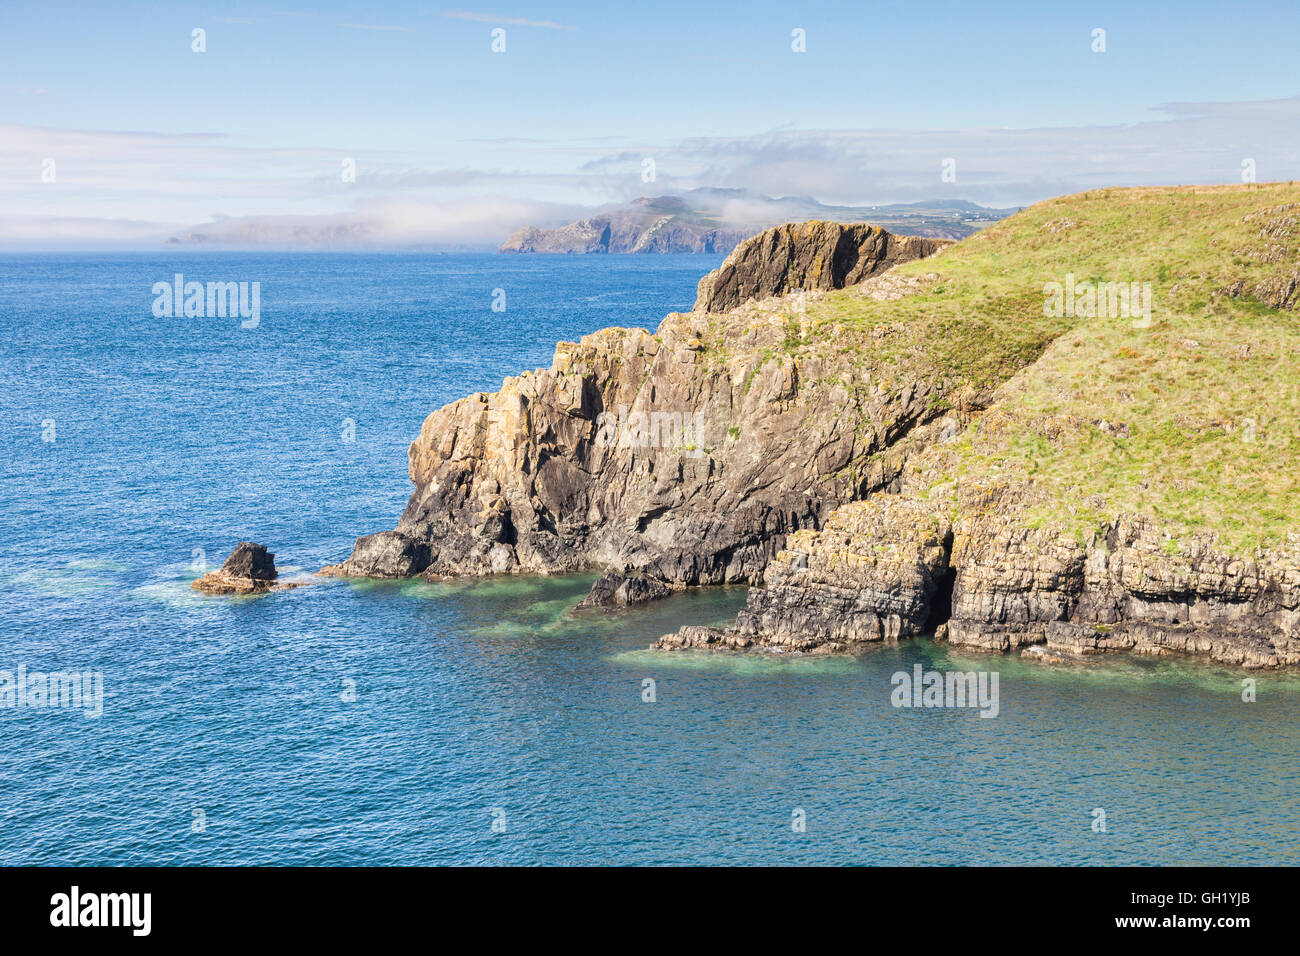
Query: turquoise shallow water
x=364, y=722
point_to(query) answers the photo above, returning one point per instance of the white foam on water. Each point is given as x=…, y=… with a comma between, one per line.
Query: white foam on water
x=177, y=594
x=65, y=582
x=743, y=663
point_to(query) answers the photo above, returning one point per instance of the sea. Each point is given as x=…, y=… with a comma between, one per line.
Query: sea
x=485, y=722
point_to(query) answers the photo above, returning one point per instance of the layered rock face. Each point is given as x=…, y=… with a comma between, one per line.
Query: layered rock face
x=806, y=256
x=893, y=567
x=1035, y=529
x=1130, y=588
x=642, y=452
x=872, y=573
x=687, y=455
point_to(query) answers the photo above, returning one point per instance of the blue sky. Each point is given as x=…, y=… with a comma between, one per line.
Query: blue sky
x=145, y=131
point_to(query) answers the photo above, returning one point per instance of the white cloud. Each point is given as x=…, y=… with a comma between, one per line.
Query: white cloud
x=509, y=21
x=128, y=181
x=375, y=26
x=1189, y=143
x=482, y=221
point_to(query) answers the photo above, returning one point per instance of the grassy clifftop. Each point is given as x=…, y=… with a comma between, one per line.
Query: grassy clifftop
x=1185, y=411
x=1111, y=461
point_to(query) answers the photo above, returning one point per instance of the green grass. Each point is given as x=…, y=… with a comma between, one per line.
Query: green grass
x=1191, y=420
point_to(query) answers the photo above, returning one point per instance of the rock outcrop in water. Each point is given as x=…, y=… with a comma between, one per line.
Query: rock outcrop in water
x=685, y=456
x=250, y=569
x=620, y=590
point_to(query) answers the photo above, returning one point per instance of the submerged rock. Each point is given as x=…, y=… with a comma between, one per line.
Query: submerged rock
x=1042, y=654
x=695, y=636
x=621, y=590
x=250, y=569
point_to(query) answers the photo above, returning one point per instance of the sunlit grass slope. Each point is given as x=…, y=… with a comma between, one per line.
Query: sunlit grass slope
x=1188, y=415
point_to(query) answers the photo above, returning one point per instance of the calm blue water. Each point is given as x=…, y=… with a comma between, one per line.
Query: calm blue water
x=492, y=700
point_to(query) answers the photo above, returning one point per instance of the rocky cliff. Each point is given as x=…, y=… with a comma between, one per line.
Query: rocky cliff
x=917, y=443
x=662, y=234
x=686, y=455
x=716, y=220
x=807, y=255
x=894, y=567
x=1130, y=488
x=662, y=224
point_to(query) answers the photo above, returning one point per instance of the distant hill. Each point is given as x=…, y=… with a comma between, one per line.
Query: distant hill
x=716, y=220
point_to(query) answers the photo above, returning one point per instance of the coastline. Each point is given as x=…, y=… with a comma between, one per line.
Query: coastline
x=826, y=475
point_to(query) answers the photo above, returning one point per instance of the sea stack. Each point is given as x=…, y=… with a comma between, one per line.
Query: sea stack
x=250, y=569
